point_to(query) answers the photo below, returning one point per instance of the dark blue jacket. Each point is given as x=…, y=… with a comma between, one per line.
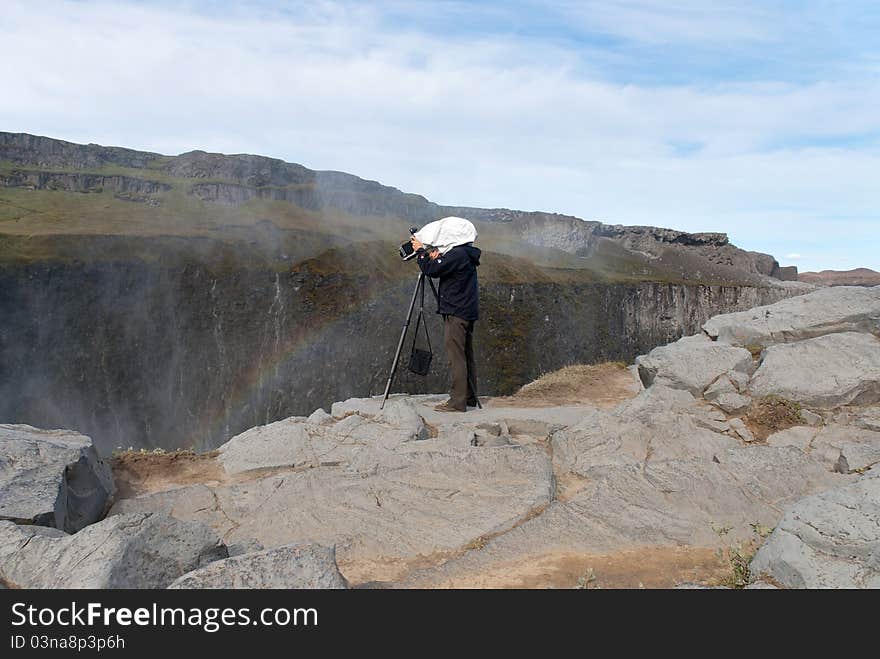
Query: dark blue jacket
x=458, y=290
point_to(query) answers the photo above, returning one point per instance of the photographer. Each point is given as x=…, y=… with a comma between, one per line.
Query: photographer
x=459, y=306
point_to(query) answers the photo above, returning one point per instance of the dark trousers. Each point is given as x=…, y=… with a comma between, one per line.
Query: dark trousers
x=458, y=339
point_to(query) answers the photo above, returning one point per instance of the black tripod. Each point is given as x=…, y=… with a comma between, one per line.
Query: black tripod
x=418, y=294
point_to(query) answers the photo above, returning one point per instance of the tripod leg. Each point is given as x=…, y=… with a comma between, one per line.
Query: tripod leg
x=474, y=389
x=420, y=284
x=433, y=289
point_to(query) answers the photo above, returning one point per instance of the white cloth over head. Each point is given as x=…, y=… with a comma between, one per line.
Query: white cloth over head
x=447, y=232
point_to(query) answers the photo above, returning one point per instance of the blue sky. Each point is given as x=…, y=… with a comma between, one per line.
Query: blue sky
x=759, y=119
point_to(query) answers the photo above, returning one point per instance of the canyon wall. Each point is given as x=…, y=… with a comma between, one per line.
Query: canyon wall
x=150, y=355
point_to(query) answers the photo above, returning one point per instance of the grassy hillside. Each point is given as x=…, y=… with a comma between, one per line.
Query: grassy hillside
x=99, y=224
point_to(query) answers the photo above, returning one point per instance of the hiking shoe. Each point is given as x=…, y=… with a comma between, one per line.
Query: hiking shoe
x=446, y=407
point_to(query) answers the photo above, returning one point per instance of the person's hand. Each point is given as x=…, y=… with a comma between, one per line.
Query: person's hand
x=434, y=254
x=416, y=243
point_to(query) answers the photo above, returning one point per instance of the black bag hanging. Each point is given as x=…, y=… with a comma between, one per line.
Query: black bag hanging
x=420, y=360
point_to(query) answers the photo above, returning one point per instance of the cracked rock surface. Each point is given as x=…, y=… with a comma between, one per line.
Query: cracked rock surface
x=290, y=566
x=828, y=540
x=141, y=550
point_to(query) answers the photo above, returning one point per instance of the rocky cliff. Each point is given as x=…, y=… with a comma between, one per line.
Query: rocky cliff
x=745, y=455
x=856, y=277
x=237, y=179
x=138, y=354
x=242, y=289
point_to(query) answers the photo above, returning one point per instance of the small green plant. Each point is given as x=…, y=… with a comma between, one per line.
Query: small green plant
x=586, y=580
x=761, y=530
x=738, y=557
x=720, y=529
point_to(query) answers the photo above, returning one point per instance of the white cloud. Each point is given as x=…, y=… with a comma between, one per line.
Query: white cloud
x=793, y=257
x=480, y=120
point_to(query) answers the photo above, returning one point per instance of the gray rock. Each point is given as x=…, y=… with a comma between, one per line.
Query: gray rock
x=721, y=386
x=825, y=311
x=140, y=550
x=732, y=403
x=298, y=443
x=492, y=428
x=462, y=436
x=659, y=424
x=799, y=436
x=691, y=363
x=319, y=417
x=488, y=440
x=811, y=418
x=740, y=381
x=846, y=448
x=663, y=503
x=362, y=406
x=52, y=478
x=867, y=418
x=418, y=498
x=857, y=456
x=828, y=540
x=531, y=427
x=711, y=424
x=246, y=547
x=739, y=427
x=402, y=414
x=724, y=394
x=825, y=372
x=289, y=567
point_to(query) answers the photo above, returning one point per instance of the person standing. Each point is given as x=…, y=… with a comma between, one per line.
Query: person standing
x=459, y=304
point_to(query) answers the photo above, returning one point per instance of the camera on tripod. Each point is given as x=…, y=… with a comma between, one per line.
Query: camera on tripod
x=443, y=234
x=406, y=250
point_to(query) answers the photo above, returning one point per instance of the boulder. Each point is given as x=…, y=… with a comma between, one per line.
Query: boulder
x=867, y=418
x=288, y=567
x=825, y=372
x=52, y=478
x=827, y=540
x=740, y=429
x=847, y=448
x=825, y=311
x=298, y=442
x=724, y=393
x=732, y=403
x=691, y=363
x=319, y=417
x=141, y=550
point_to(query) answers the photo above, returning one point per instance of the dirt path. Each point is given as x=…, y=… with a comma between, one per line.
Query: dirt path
x=137, y=473
x=598, y=385
x=650, y=567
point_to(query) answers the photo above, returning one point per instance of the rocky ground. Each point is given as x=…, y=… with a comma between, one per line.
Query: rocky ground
x=743, y=456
